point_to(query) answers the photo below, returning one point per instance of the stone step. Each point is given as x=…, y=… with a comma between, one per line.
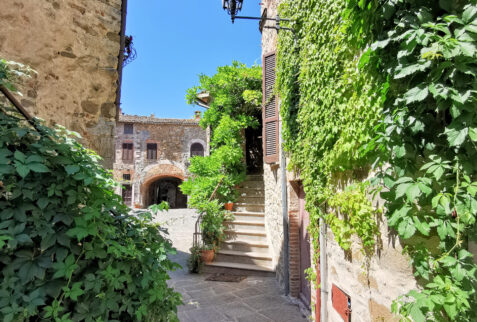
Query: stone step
x=238, y=269
x=254, y=177
x=251, y=192
x=255, y=200
x=244, y=246
x=246, y=235
x=245, y=225
x=245, y=207
x=252, y=185
x=249, y=216
x=250, y=258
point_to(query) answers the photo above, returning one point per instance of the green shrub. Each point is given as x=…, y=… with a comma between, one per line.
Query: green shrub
x=69, y=250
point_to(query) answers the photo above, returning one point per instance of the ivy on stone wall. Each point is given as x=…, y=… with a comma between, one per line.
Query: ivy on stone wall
x=414, y=62
x=329, y=109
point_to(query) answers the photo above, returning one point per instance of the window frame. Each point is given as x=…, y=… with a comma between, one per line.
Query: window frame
x=128, y=153
x=196, y=144
x=129, y=130
x=151, y=152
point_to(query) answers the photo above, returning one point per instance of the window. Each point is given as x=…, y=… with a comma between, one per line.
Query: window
x=126, y=176
x=127, y=151
x=269, y=111
x=128, y=128
x=197, y=149
x=127, y=194
x=151, y=151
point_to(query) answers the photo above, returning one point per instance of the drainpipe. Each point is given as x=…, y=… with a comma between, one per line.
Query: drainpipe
x=323, y=272
x=286, y=269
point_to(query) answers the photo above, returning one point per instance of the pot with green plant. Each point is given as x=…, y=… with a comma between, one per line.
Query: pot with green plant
x=207, y=254
x=229, y=194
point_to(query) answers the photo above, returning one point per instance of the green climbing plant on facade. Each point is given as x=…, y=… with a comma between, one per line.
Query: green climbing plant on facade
x=390, y=85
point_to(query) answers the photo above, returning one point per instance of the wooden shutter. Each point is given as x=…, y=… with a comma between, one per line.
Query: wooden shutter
x=269, y=110
x=127, y=151
x=152, y=151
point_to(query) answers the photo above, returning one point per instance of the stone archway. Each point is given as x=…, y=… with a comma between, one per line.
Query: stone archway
x=165, y=189
x=160, y=182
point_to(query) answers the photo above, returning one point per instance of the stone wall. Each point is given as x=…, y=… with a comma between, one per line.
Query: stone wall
x=272, y=172
x=173, y=137
x=74, y=47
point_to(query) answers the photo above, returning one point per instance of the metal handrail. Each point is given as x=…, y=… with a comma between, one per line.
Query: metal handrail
x=198, y=233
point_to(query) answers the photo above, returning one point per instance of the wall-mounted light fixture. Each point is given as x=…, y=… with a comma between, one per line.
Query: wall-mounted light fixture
x=234, y=6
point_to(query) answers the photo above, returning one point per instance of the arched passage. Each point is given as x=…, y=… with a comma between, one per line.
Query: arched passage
x=165, y=189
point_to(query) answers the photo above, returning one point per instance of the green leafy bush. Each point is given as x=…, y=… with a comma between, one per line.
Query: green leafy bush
x=69, y=250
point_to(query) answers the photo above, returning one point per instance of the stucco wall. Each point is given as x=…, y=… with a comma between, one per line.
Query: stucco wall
x=74, y=47
x=173, y=137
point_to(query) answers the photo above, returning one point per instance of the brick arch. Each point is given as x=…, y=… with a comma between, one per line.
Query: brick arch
x=162, y=171
x=157, y=172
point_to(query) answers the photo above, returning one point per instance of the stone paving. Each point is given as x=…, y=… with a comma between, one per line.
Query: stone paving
x=253, y=299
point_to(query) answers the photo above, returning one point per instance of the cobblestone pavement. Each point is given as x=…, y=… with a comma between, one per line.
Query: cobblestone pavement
x=254, y=299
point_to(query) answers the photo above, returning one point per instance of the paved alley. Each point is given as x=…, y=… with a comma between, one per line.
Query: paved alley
x=253, y=299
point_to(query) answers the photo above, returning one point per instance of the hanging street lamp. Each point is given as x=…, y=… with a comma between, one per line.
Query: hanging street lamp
x=234, y=6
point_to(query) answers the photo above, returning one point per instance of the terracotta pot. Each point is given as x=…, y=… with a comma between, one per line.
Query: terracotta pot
x=207, y=255
x=229, y=206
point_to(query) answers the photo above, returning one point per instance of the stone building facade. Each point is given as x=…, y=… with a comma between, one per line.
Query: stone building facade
x=152, y=157
x=76, y=48
x=345, y=282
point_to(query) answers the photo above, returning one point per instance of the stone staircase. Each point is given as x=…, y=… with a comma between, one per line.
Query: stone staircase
x=246, y=248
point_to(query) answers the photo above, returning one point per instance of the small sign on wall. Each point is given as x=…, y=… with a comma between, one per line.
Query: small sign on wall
x=341, y=303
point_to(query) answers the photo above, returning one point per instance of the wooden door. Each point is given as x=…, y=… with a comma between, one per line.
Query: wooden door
x=305, y=261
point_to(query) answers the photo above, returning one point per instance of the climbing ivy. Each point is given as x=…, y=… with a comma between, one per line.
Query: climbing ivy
x=329, y=109
x=391, y=83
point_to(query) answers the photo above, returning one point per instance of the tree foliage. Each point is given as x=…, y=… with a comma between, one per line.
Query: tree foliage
x=235, y=93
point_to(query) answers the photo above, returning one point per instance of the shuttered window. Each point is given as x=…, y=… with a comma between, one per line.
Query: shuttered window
x=269, y=111
x=151, y=151
x=127, y=151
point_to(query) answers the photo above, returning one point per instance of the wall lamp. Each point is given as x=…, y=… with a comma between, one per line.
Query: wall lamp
x=234, y=6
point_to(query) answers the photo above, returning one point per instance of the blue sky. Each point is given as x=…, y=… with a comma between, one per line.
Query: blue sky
x=175, y=42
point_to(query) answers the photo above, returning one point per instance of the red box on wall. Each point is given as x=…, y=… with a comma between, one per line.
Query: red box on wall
x=341, y=303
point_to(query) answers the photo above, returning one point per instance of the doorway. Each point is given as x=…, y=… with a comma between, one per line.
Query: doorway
x=254, y=150
x=305, y=260
x=166, y=189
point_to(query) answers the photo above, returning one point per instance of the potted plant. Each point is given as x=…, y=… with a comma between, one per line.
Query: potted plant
x=229, y=206
x=207, y=253
x=229, y=194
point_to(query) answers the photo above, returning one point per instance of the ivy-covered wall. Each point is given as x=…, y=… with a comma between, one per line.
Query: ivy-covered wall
x=378, y=112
